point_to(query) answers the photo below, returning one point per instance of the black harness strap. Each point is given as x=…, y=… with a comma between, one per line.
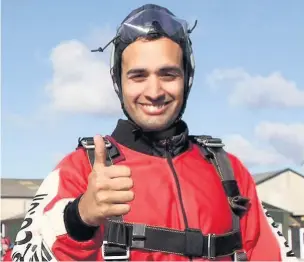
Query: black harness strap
x=110, y=252
x=190, y=243
x=212, y=148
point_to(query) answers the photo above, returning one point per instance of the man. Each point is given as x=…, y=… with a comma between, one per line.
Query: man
x=6, y=249
x=149, y=191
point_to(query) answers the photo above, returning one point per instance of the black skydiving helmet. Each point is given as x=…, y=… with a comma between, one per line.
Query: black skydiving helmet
x=151, y=21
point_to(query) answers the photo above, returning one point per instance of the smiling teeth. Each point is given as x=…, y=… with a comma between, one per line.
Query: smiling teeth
x=155, y=106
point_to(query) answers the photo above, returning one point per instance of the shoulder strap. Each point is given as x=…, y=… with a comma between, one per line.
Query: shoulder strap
x=88, y=144
x=114, y=253
x=212, y=149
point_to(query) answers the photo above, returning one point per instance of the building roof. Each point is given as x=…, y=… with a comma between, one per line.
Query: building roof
x=20, y=216
x=262, y=177
x=19, y=188
x=275, y=208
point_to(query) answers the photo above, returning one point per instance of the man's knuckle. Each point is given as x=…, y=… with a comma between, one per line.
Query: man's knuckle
x=131, y=195
x=102, y=197
x=104, y=209
x=126, y=208
x=130, y=182
x=128, y=196
x=127, y=170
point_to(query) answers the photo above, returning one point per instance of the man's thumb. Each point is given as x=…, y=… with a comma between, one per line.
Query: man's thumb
x=100, y=150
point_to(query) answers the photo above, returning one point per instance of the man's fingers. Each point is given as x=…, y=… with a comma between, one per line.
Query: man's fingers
x=117, y=171
x=113, y=184
x=100, y=151
x=115, y=197
x=118, y=210
x=120, y=183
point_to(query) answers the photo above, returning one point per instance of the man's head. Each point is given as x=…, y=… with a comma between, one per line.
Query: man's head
x=152, y=80
x=152, y=67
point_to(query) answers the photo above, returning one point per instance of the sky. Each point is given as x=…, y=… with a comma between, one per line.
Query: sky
x=248, y=87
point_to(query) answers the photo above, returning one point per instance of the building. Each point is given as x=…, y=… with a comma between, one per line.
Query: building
x=282, y=193
x=16, y=196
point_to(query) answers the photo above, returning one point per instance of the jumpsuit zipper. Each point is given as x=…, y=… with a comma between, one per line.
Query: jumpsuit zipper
x=179, y=192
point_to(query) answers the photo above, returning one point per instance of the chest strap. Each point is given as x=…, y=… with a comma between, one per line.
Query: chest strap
x=189, y=243
x=120, y=237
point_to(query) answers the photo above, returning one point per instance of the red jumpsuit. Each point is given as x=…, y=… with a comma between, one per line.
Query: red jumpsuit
x=156, y=203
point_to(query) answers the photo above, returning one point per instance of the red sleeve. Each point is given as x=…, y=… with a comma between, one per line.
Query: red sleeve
x=8, y=256
x=260, y=238
x=44, y=225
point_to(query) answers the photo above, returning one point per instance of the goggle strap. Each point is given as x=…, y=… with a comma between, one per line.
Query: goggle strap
x=100, y=49
x=191, y=30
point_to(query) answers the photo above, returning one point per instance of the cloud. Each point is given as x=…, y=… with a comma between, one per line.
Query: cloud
x=252, y=154
x=256, y=90
x=81, y=81
x=273, y=144
x=287, y=139
x=40, y=118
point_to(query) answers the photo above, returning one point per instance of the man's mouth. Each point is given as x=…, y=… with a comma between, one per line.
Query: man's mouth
x=154, y=109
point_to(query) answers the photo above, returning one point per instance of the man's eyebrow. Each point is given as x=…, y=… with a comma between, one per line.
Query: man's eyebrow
x=136, y=71
x=174, y=69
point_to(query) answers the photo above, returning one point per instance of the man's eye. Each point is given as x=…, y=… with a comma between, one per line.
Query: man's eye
x=169, y=77
x=138, y=78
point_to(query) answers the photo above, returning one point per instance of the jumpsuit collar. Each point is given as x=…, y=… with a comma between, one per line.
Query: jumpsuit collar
x=174, y=139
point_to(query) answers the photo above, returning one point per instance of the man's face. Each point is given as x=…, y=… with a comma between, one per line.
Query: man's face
x=153, y=82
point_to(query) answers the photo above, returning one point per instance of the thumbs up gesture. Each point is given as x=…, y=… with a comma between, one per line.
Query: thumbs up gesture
x=109, y=189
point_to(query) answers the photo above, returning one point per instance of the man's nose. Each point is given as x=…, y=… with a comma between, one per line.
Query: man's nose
x=154, y=89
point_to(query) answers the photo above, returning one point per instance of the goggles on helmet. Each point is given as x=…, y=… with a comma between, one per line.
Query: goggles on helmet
x=152, y=22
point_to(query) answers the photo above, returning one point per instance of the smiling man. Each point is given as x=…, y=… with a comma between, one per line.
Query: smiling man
x=153, y=81
x=150, y=191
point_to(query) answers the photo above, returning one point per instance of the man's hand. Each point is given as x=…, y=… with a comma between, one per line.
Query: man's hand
x=109, y=189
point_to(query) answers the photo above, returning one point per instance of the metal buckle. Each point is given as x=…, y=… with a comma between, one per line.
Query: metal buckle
x=107, y=143
x=86, y=145
x=212, y=144
x=207, y=143
x=105, y=257
x=210, y=256
x=239, y=252
x=89, y=146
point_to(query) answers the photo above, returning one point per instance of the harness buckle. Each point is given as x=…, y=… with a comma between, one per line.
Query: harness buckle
x=114, y=258
x=240, y=255
x=211, y=247
x=210, y=142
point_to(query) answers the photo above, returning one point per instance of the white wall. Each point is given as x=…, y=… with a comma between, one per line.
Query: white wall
x=285, y=191
x=11, y=207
